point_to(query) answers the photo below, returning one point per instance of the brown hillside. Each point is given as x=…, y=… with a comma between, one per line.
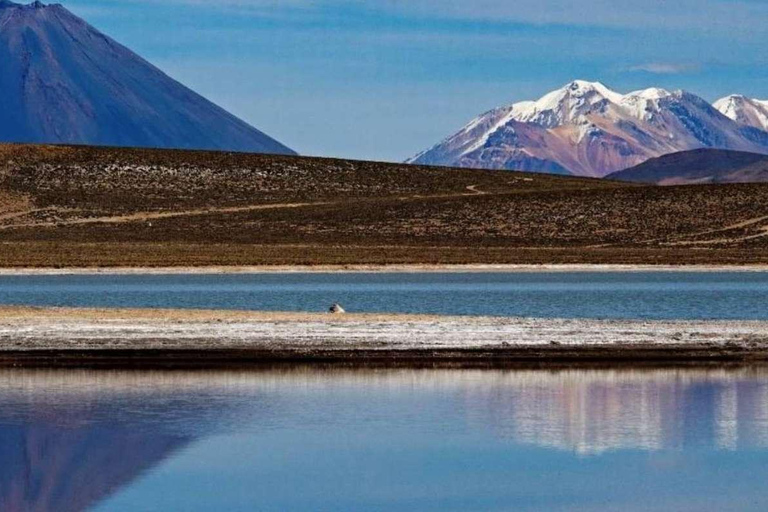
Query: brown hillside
x=698, y=167
x=68, y=206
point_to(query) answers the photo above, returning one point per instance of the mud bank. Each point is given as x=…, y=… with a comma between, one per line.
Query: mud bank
x=85, y=337
x=362, y=268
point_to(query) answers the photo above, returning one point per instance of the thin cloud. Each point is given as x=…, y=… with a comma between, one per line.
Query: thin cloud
x=716, y=15
x=662, y=68
x=722, y=15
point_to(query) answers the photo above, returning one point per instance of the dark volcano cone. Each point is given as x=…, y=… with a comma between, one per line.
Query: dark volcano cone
x=64, y=82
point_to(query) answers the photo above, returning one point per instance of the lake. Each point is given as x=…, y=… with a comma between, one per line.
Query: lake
x=621, y=295
x=306, y=439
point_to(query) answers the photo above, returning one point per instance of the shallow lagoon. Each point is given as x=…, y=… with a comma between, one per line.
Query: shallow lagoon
x=338, y=439
x=362, y=439
x=624, y=295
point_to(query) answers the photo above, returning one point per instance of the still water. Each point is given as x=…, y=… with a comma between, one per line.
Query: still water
x=626, y=295
x=380, y=440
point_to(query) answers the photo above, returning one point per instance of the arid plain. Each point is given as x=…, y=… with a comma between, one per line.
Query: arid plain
x=101, y=207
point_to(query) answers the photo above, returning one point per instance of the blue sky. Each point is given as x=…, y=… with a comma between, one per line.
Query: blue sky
x=384, y=79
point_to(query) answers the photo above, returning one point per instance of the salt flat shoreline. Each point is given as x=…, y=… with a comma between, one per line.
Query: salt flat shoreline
x=135, y=338
x=399, y=268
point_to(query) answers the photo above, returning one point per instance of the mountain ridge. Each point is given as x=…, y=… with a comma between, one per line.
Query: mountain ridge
x=587, y=129
x=698, y=166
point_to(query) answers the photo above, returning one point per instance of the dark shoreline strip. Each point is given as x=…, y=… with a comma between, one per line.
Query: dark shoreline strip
x=512, y=357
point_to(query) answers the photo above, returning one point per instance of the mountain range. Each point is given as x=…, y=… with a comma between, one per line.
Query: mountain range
x=63, y=81
x=587, y=129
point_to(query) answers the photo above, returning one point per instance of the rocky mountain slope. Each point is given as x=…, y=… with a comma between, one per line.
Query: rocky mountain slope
x=587, y=129
x=63, y=81
x=699, y=166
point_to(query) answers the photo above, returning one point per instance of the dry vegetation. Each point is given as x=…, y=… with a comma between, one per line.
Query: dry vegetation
x=65, y=206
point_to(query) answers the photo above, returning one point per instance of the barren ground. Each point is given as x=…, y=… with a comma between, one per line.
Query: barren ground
x=103, y=207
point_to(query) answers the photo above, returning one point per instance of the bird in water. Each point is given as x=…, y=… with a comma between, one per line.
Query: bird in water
x=336, y=309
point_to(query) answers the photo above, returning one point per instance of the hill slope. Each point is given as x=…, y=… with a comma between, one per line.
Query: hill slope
x=699, y=166
x=78, y=206
x=63, y=81
x=586, y=129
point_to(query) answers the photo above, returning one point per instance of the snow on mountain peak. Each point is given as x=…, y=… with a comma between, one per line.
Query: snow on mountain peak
x=745, y=111
x=652, y=93
x=645, y=103
x=564, y=105
x=585, y=87
x=570, y=103
x=729, y=105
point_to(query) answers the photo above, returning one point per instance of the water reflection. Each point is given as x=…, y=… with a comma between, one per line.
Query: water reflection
x=71, y=439
x=45, y=468
x=591, y=412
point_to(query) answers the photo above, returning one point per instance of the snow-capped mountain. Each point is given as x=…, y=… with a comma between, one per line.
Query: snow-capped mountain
x=746, y=111
x=587, y=129
x=63, y=81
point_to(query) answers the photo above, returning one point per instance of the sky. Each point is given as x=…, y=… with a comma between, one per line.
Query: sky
x=385, y=79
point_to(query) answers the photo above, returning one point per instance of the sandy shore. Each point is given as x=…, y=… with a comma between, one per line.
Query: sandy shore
x=74, y=336
x=420, y=268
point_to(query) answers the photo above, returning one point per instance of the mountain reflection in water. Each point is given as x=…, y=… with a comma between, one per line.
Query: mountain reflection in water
x=71, y=439
x=591, y=412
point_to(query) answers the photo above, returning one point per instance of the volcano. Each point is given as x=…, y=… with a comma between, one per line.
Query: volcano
x=64, y=82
